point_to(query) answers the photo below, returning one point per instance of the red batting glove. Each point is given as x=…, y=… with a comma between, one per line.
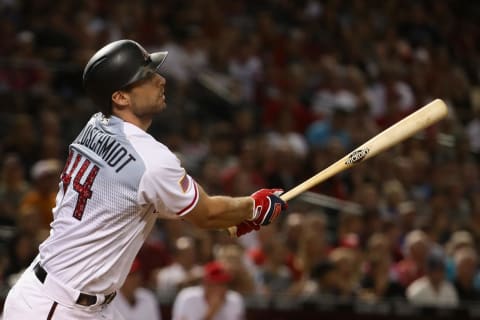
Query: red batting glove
x=246, y=227
x=267, y=206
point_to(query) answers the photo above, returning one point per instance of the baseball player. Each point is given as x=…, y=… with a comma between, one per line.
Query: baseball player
x=116, y=181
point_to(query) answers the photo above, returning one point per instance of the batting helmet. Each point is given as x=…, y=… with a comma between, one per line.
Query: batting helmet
x=115, y=66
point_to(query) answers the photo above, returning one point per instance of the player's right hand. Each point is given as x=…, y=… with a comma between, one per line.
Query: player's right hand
x=267, y=206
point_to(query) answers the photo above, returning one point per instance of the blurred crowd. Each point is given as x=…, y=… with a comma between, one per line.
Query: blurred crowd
x=266, y=94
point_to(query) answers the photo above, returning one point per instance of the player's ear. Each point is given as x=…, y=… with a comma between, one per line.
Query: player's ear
x=121, y=98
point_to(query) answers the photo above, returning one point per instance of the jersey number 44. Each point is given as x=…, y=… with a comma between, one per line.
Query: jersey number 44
x=84, y=189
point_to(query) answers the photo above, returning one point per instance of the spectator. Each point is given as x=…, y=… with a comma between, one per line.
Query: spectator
x=244, y=176
x=287, y=104
x=211, y=300
x=466, y=265
x=350, y=223
x=312, y=244
x=433, y=290
x=292, y=230
x=209, y=175
x=188, y=56
x=324, y=280
x=135, y=302
x=233, y=260
x=246, y=68
x=368, y=197
x=332, y=94
x=183, y=272
x=22, y=251
x=412, y=267
x=390, y=98
x=321, y=132
x=394, y=195
x=13, y=187
x=377, y=281
x=284, y=137
x=41, y=198
x=152, y=256
x=274, y=275
x=22, y=139
x=347, y=267
x=221, y=146
x=193, y=147
x=282, y=165
x=408, y=216
x=458, y=240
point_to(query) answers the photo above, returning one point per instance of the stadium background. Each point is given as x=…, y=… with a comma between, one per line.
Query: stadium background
x=264, y=94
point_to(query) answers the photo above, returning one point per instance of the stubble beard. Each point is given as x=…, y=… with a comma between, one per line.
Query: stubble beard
x=150, y=110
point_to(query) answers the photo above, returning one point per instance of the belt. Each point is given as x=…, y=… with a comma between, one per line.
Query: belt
x=83, y=299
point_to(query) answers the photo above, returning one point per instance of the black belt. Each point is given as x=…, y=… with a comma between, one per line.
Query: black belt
x=83, y=299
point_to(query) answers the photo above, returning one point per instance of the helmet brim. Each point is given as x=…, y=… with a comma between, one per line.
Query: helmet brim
x=157, y=59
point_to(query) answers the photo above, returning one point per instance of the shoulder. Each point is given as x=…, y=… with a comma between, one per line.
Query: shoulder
x=418, y=285
x=190, y=293
x=420, y=282
x=154, y=153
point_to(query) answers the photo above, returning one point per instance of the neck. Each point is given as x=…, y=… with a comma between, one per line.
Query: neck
x=141, y=122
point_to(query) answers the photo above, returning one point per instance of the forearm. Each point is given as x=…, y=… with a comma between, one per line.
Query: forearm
x=229, y=211
x=220, y=212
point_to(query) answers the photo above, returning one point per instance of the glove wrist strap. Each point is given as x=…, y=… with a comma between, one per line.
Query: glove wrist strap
x=255, y=211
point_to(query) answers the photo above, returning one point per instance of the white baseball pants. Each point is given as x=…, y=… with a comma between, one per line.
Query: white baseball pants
x=30, y=299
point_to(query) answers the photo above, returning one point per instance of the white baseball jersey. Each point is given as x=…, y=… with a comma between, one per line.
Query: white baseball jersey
x=117, y=180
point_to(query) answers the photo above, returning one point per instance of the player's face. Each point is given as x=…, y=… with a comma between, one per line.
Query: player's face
x=148, y=95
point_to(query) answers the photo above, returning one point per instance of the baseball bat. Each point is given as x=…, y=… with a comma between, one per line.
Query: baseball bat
x=403, y=129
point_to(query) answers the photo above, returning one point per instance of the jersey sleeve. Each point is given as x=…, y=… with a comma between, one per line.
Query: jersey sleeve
x=168, y=187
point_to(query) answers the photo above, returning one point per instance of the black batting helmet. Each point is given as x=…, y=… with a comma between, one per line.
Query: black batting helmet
x=116, y=66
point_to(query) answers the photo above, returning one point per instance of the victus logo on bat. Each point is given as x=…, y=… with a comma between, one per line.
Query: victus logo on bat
x=357, y=156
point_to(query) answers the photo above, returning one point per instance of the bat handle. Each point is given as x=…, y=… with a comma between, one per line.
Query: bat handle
x=285, y=197
x=232, y=231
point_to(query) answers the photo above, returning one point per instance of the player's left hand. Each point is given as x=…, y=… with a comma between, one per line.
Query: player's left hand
x=245, y=227
x=267, y=206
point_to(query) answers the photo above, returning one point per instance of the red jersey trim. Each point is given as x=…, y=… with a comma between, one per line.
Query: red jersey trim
x=194, y=201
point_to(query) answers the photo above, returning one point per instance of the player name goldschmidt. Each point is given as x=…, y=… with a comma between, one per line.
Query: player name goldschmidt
x=106, y=147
